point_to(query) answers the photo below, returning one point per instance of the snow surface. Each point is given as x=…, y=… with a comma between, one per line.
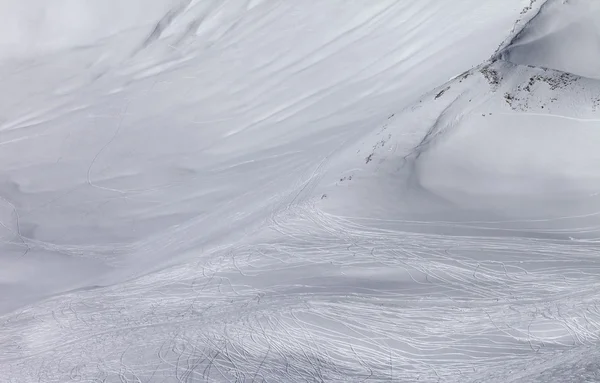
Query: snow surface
x=564, y=36
x=286, y=191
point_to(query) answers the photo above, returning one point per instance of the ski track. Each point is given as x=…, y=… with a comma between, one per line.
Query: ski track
x=297, y=305
x=298, y=294
x=550, y=116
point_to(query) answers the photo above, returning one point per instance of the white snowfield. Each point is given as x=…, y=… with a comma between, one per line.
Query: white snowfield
x=293, y=191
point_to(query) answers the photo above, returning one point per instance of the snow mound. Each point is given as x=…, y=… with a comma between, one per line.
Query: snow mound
x=512, y=139
x=525, y=148
x=565, y=36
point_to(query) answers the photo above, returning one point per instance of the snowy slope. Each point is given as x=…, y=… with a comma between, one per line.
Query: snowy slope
x=487, y=189
x=35, y=27
x=209, y=129
x=564, y=36
x=294, y=191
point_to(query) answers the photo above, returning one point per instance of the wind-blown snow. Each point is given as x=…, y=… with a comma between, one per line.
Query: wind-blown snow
x=564, y=36
x=294, y=191
x=40, y=27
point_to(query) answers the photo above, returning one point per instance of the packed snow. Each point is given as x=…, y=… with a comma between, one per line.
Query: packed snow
x=299, y=191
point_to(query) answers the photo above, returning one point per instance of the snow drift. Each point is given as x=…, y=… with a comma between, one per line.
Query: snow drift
x=525, y=149
x=565, y=36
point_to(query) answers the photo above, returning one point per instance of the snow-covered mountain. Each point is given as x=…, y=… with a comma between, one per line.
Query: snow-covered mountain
x=269, y=190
